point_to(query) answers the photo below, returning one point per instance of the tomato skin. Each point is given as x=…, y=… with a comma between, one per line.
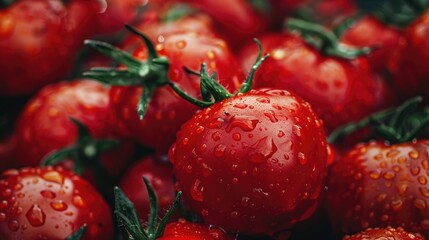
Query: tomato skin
x=167, y=111
x=159, y=174
x=369, y=31
x=38, y=42
x=384, y=233
x=411, y=72
x=192, y=231
x=339, y=90
x=44, y=124
x=51, y=203
x=376, y=185
x=253, y=163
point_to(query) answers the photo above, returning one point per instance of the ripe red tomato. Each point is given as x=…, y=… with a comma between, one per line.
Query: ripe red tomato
x=253, y=163
x=385, y=40
x=339, y=90
x=379, y=185
x=38, y=42
x=167, y=111
x=44, y=124
x=411, y=71
x=159, y=174
x=183, y=230
x=51, y=203
x=384, y=233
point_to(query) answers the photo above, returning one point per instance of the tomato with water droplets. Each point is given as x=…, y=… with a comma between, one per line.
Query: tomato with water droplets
x=51, y=203
x=253, y=163
x=384, y=233
x=379, y=185
x=192, y=231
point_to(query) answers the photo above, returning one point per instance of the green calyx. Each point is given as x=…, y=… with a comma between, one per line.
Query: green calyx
x=324, y=39
x=177, y=11
x=78, y=235
x=398, y=13
x=149, y=74
x=85, y=154
x=128, y=219
x=396, y=125
x=212, y=91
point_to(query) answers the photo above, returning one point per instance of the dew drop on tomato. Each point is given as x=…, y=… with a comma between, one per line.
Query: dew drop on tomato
x=197, y=191
x=48, y=194
x=59, y=205
x=53, y=176
x=35, y=216
x=13, y=225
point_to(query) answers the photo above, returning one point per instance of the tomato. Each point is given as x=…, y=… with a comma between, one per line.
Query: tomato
x=51, y=203
x=159, y=174
x=384, y=233
x=253, y=163
x=411, y=73
x=167, y=111
x=183, y=230
x=339, y=90
x=385, y=40
x=44, y=124
x=380, y=185
x=38, y=42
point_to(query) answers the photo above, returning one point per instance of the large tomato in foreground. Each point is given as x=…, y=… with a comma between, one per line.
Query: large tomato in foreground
x=253, y=163
x=51, y=203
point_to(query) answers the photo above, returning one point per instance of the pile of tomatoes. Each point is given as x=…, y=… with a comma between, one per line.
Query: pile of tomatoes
x=211, y=119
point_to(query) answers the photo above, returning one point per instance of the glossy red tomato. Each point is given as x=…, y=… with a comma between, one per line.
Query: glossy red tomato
x=159, y=174
x=44, y=124
x=38, y=42
x=183, y=230
x=253, y=163
x=384, y=39
x=379, y=185
x=411, y=72
x=339, y=90
x=384, y=233
x=51, y=203
x=167, y=111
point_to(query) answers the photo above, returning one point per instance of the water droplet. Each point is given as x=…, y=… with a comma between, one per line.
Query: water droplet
x=6, y=192
x=425, y=164
x=216, y=123
x=69, y=214
x=216, y=136
x=207, y=171
x=59, y=205
x=384, y=217
x=48, y=194
x=270, y=114
x=210, y=54
x=396, y=204
x=236, y=136
x=20, y=195
x=415, y=170
x=53, y=176
x=2, y=217
x=381, y=197
x=389, y=175
x=245, y=123
x=240, y=106
x=280, y=134
x=419, y=203
x=13, y=225
x=180, y=44
x=301, y=158
x=204, y=212
x=392, y=153
x=424, y=191
x=296, y=130
x=262, y=150
x=245, y=201
x=364, y=224
x=35, y=216
x=263, y=100
x=234, y=181
x=219, y=150
x=79, y=202
x=276, y=106
x=18, y=186
x=199, y=130
x=286, y=156
x=3, y=204
x=197, y=191
x=396, y=168
x=185, y=141
x=422, y=180
x=188, y=169
x=401, y=188
x=413, y=154
x=234, y=214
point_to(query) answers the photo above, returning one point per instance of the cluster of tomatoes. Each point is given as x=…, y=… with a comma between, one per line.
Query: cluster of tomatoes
x=211, y=119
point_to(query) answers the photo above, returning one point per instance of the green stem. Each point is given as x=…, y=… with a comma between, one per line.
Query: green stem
x=324, y=39
x=78, y=235
x=348, y=23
